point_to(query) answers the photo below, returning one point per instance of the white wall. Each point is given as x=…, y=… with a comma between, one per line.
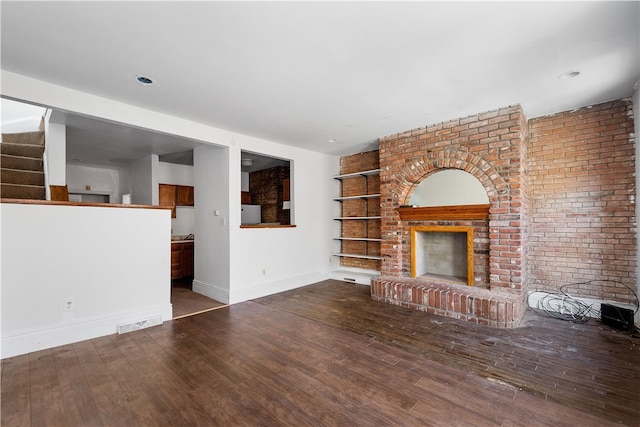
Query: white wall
x=113, y=262
x=212, y=224
x=170, y=173
x=56, y=152
x=269, y=260
x=141, y=178
x=18, y=117
x=100, y=180
x=290, y=257
x=244, y=181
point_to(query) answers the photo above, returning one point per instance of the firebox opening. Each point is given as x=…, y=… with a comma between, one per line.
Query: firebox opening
x=442, y=252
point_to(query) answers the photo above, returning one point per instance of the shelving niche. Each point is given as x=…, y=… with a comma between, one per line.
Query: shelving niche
x=360, y=220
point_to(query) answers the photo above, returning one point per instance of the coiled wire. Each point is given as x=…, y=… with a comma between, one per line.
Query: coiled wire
x=561, y=305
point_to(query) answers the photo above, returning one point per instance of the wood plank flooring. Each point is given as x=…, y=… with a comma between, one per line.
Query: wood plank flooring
x=327, y=355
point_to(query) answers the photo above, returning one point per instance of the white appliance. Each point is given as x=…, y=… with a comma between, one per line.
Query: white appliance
x=250, y=214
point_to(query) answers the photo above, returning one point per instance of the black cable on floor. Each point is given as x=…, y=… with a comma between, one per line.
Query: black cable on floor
x=561, y=305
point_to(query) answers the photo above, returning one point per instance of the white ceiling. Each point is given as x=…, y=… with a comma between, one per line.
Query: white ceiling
x=304, y=73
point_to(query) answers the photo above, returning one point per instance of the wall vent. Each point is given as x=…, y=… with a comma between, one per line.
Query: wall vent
x=140, y=324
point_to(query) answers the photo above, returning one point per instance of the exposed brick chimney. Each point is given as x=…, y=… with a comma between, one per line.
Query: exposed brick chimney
x=492, y=147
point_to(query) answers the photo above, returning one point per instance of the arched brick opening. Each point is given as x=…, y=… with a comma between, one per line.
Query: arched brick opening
x=422, y=167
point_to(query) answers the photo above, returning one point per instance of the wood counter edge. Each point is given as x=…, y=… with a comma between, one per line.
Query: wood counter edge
x=83, y=204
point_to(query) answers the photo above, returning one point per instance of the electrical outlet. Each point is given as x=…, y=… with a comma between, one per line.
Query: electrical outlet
x=69, y=305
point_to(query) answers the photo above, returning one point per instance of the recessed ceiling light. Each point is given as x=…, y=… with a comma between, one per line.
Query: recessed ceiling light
x=333, y=141
x=144, y=81
x=246, y=162
x=569, y=75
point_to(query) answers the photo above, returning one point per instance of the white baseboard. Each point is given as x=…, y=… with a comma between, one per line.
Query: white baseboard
x=34, y=340
x=355, y=275
x=210, y=291
x=535, y=297
x=265, y=289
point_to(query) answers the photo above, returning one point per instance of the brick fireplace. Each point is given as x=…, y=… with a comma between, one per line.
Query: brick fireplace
x=492, y=147
x=443, y=252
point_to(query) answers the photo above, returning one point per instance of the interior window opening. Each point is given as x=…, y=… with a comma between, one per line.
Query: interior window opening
x=265, y=191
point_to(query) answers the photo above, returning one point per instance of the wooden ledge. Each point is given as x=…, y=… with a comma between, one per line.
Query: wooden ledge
x=84, y=204
x=456, y=212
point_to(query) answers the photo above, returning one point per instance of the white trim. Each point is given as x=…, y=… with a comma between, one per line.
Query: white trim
x=210, y=291
x=533, y=300
x=29, y=341
x=265, y=289
x=355, y=275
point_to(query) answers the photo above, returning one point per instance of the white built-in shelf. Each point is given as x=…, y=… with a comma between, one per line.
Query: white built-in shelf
x=357, y=174
x=357, y=256
x=357, y=217
x=375, y=242
x=363, y=196
x=358, y=239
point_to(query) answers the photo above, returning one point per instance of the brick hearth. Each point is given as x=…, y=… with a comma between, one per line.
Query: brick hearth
x=465, y=303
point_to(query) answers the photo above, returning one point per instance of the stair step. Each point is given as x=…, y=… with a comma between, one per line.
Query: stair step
x=33, y=138
x=13, y=191
x=22, y=150
x=24, y=177
x=23, y=163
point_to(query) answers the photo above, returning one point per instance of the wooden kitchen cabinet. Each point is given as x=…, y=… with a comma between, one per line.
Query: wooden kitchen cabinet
x=175, y=195
x=181, y=260
x=185, y=195
x=245, y=197
x=186, y=260
x=286, y=189
x=176, y=261
x=167, y=196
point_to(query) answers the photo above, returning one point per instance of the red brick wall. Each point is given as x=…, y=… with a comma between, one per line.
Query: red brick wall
x=266, y=190
x=561, y=189
x=359, y=162
x=582, y=209
x=362, y=207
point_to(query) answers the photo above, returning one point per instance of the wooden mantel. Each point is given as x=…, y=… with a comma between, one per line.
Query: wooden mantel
x=457, y=212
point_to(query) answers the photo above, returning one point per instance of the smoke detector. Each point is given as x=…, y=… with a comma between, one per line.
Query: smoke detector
x=246, y=162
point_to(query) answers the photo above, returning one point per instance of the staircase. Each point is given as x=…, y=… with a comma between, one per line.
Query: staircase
x=21, y=166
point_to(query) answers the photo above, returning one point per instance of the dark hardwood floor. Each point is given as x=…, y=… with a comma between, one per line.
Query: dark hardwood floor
x=327, y=355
